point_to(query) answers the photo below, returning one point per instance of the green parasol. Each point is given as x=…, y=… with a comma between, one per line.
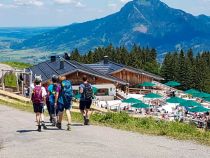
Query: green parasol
x=172, y=83
x=175, y=100
x=131, y=100
x=199, y=109
x=201, y=95
x=190, y=103
x=147, y=84
x=140, y=105
x=152, y=96
x=192, y=91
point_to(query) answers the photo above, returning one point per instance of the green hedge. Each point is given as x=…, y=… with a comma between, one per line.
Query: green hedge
x=10, y=80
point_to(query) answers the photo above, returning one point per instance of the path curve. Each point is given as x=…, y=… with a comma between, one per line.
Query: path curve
x=4, y=67
x=18, y=139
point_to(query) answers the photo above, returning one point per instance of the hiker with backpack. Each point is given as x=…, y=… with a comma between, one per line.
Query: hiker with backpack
x=47, y=100
x=64, y=102
x=53, y=93
x=86, y=91
x=38, y=99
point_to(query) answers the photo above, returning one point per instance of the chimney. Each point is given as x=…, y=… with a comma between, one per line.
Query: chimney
x=62, y=64
x=106, y=59
x=53, y=58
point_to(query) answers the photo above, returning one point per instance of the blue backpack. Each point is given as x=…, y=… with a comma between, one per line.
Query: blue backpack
x=66, y=93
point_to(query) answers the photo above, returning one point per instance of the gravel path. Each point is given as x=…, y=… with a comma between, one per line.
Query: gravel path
x=18, y=139
x=4, y=67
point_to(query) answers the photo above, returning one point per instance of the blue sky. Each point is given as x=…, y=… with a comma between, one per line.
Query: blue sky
x=63, y=12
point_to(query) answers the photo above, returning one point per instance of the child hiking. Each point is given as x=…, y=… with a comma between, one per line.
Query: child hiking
x=38, y=99
x=86, y=91
x=53, y=92
x=64, y=102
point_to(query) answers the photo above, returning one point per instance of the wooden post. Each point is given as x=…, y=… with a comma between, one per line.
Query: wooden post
x=2, y=79
x=18, y=89
x=22, y=87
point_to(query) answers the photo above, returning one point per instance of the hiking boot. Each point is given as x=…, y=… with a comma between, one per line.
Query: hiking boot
x=39, y=128
x=58, y=125
x=43, y=125
x=53, y=122
x=85, y=120
x=69, y=127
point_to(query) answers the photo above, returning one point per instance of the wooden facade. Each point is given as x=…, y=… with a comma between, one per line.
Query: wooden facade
x=76, y=79
x=131, y=77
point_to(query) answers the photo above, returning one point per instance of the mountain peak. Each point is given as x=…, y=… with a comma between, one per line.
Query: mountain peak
x=146, y=2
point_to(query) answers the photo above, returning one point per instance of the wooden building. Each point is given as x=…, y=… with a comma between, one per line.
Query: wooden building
x=128, y=74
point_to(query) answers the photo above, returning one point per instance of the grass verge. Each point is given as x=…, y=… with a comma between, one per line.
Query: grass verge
x=151, y=126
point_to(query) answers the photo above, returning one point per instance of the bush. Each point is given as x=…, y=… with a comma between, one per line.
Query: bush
x=10, y=80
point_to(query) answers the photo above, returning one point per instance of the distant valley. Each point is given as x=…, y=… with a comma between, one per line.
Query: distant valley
x=148, y=23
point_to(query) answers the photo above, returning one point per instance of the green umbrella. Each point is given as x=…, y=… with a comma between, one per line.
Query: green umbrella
x=147, y=84
x=95, y=90
x=189, y=103
x=140, y=105
x=152, y=96
x=199, y=109
x=192, y=91
x=131, y=100
x=172, y=83
x=77, y=96
x=201, y=95
x=175, y=100
x=207, y=99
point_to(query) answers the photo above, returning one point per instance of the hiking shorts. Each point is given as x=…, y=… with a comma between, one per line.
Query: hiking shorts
x=52, y=109
x=38, y=108
x=85, y=104
x=66, y=106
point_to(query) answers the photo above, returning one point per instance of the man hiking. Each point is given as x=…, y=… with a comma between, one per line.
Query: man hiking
x=86, y=91
x=38, y=99
x=53, y=92
x=64, y=102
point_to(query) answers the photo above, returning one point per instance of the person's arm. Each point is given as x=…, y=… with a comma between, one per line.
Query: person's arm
x=56, y=95
x=81, y=89
x=44, y=95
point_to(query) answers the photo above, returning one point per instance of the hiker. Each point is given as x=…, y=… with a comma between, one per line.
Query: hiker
x=64, y=102
x=38, y=99
x=53, y=92
x=47, y=100
x=86, y=91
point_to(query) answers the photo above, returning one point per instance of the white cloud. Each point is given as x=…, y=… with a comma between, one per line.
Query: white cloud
x=64, y=1
x=80, y=5
x=112, y=6
x=37, y=3
x=124, y=1
x=7, y=6
x=76, y=3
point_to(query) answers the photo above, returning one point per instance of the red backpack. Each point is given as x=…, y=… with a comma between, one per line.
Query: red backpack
x=37, y=95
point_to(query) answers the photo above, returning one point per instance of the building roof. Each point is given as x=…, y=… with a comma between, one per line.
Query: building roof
x=48, y=68
x=112, y=67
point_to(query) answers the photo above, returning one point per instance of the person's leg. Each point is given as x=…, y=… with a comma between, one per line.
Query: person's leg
x=42, y=116
x=53, y=113
x=68, y=114
x=82, y=109
x=38, y=119
x=60, y=115
x=49, y=111
x=87, y=111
